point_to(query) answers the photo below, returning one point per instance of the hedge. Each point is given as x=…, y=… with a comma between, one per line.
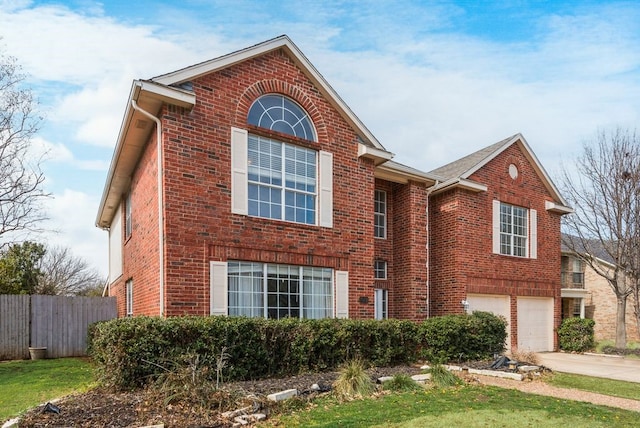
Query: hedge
x=130, y=352
x=576, y=334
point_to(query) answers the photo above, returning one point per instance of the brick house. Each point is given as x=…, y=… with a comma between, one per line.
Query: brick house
x=586, y=294
x=494, y=241
x=244, y=185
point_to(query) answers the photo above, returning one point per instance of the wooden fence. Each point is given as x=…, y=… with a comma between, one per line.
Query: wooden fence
x=58, y=323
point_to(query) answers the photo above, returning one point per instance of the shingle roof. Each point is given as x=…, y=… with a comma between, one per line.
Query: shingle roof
x=459, y=167
x=593, y=247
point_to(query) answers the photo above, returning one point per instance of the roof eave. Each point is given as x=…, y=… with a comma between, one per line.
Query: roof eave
x=557, y=208
x=133, y=134
x=459, y=183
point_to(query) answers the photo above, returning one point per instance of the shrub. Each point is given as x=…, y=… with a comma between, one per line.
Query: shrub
x=463, y=337
x=133, y=352
x=576, y=334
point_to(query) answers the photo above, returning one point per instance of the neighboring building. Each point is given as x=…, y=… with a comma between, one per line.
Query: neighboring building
x=586, y=294
x=244, y=185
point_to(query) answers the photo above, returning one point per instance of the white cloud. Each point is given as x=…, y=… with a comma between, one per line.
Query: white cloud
x=71, y=224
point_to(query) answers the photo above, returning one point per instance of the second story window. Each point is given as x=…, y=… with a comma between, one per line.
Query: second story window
x=513, y=230
x=282, y=180
x=380, y=214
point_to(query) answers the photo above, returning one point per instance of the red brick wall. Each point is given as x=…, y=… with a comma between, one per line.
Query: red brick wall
x=140, y=256
x=461, y=241
x=410, y=251
x=199, y=224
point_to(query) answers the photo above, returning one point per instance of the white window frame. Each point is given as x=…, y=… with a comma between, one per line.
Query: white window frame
x=380, y=269
x=381, y=303
x=292, y=285
x=531, y=230
x=380, y=214
x=129, y=297
x=219, y=286
x=283, y=181
x=128, y=225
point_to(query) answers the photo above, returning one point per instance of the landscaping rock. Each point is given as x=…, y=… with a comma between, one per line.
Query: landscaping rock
x=283, y=395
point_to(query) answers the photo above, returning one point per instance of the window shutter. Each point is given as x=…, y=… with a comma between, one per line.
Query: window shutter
x=325, y=197
x=342, y=294
x=496, y=227
x=533, y=234
x=239, y=184
x=218, y=295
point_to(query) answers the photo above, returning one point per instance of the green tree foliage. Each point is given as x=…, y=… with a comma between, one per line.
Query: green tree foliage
x=19, y=268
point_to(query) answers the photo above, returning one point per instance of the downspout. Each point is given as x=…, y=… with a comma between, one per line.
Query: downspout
x=429, y=191
x=160, y=200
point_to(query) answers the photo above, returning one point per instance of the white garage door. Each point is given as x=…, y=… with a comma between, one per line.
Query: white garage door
x=535, y=323
x=496, y=304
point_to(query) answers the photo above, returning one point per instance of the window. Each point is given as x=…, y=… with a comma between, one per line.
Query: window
x=281, y=114
x=282, y=180
x=513, y=230
x=278, y=180
x=279, y=291
x=380, y=269
x=381, y=304
x=127, y=216
x=129, y=297
x=380, y=214
x=578, y=275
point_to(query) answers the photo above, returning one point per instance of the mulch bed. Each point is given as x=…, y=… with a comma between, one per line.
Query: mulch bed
x=101, y=408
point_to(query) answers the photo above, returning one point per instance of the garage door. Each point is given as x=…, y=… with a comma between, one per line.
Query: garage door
x=496, y=304
x=535, y=323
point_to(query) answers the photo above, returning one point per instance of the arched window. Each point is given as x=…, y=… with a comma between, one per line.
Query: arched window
x=281, y=114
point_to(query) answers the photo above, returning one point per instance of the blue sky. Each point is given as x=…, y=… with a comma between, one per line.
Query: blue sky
x=433, y=80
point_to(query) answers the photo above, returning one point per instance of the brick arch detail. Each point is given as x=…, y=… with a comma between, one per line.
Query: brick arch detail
x=276, y=86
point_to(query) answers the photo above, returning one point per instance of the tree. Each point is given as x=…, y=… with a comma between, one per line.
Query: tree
x=605, y=194
x=21, y=177
x=19, y=268
x=66, y=274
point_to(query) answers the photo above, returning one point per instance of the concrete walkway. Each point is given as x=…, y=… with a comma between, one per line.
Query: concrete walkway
x=610, y=367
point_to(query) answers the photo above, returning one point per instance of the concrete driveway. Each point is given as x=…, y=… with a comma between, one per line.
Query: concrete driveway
x=610, y=367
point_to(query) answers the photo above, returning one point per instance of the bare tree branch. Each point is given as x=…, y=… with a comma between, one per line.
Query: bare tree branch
x=605, y=194
x=65, y=274
x=21, y=176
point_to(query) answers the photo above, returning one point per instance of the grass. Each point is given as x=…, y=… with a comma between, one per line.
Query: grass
x=615, y=388
x=469, y=406
x=353, y=381
x=25, y=384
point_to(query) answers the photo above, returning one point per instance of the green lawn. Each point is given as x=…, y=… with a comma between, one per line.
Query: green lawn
x=470, y=406
x=615, y=388
x=25, y=384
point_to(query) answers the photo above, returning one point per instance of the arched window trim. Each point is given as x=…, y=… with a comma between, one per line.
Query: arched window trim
x=289, y=113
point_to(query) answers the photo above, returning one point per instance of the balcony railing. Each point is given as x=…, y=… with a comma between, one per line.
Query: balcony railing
x=572, y=280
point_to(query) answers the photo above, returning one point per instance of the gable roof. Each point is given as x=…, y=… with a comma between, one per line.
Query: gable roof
x=147, y=97
x=457, y=173
x=283, y=42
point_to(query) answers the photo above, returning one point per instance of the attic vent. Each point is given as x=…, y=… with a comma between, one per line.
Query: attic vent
x=141, y=124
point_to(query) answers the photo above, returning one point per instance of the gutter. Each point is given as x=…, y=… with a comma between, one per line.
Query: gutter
x=160, y=199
